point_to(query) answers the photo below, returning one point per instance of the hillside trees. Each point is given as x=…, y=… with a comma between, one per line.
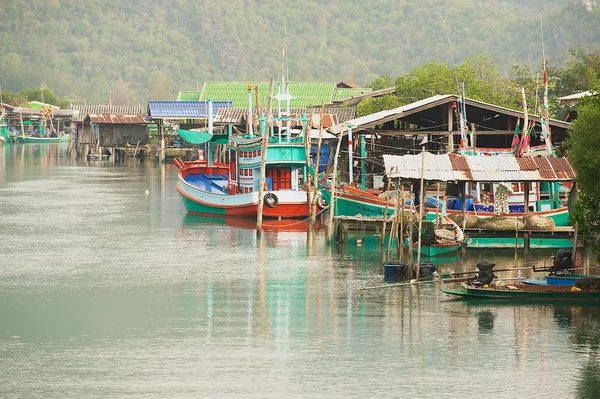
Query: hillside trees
x=71, y=44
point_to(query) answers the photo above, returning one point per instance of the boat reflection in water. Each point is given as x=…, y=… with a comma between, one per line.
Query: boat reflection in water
x=250, y=223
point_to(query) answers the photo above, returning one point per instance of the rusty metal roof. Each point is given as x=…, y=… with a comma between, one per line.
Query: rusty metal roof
x=82, y=111
x=117, y=119
x=505, y=167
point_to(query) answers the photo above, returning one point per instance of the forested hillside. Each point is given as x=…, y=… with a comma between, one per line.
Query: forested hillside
x=134, y=50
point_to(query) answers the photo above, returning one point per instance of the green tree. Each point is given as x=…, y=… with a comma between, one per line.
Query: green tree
x=44, y=95
x=382, y=82
x=480, y=75
x=14, y=99
x=582, y=152
x=372, y=105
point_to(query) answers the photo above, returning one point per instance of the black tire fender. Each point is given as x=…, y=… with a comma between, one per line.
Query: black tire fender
x=270, y=200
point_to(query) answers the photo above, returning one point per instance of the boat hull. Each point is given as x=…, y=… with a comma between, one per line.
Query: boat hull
x=556, y=280
x=350, y=201
x=526, y=292
x=42, y=140
x=435, y=250
x=208, y=196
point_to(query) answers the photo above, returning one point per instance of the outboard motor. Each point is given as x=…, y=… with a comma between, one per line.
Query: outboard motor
x=485, y=275
x=562, y=260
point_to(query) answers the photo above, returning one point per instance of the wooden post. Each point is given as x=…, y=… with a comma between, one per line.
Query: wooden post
x=333, y=182
x=526, y=199
x=401, y=220
x=421, y=211
x=397, y=215
x=22, y=127
x=385, y=212
x=575, y=243
x=463, y=198
x=410, y=234
x=263, y=161
x=450, y=129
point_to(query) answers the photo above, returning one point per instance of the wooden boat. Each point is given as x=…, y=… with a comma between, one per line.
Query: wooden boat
x=583, y=290
x=438, y=248
x=42, y=139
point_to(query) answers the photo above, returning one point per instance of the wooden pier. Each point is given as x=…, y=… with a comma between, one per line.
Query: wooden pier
x=559, y=237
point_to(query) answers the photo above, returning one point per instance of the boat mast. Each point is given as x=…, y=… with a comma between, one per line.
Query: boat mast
x=209, y=147
x=263, y=160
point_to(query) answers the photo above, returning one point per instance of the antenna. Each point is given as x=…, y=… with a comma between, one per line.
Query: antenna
x=285, y=57
x=543, y=51
x=452, y=58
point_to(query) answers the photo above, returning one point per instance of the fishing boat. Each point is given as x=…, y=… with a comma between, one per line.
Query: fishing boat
x=582, y=290
x=217, y=189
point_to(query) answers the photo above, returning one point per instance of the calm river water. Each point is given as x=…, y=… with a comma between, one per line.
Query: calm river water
x=108, y=289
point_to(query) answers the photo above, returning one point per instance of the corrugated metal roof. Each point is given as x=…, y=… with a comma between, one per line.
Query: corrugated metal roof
x=367, y=121
x=576, y=97
x=505, y=167
x=183, y=109
x=238, y=115
x=341, y=93
x=85, y=110
x=308, y=93
x=189, y=96
x=118, y=119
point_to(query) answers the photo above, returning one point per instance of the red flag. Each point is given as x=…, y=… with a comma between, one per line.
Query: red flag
x=545, y=77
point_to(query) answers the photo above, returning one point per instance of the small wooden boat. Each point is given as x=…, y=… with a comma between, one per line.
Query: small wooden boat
x=437, y=248
x=42, y=139
x=582, y=290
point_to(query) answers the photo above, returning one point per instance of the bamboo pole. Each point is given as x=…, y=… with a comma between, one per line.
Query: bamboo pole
x=525, y=120
x=396, y=216
x=424, y=280
x=263, y=160
x=437, y=200
x=333, y=182
x=385, y=212
x=309, y=177
x=318, y=162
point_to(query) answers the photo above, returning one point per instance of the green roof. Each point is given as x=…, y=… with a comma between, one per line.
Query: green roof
x=342, y=93
x=308, y=93
x=189, y=96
